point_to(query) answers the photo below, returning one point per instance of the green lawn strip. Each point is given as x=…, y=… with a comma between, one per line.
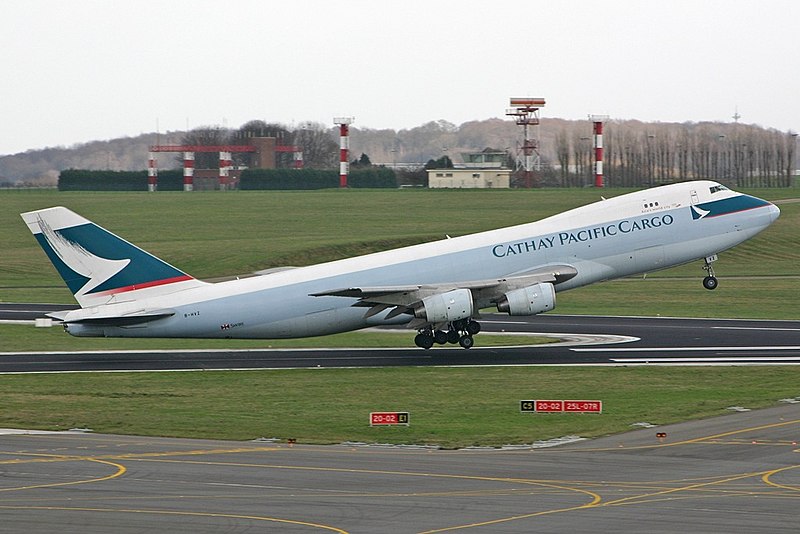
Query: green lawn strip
x=451, y=407
x=27, y=338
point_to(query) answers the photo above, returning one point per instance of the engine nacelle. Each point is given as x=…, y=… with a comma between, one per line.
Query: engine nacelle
x=529, y=300
x=446, y=307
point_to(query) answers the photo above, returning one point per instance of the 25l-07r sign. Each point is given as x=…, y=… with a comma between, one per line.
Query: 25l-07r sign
x=561, y=406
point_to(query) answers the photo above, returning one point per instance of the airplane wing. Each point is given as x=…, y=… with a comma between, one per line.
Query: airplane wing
x=484, y=293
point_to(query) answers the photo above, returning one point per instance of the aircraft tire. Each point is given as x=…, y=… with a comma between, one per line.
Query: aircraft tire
x=453, y=337
x=710, y=282
x=424, y=341
x=466, y=342
x=473, y=327
x=440, y=337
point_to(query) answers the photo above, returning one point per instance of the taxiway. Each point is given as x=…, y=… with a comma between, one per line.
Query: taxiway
x=736, y=473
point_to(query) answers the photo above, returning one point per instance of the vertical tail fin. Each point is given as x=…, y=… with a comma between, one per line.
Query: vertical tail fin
x=98, y=266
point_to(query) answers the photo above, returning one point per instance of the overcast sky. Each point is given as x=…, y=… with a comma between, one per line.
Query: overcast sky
x=77, y=71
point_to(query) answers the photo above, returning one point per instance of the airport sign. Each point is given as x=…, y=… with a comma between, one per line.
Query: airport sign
x=561, y=406
x=388, y=418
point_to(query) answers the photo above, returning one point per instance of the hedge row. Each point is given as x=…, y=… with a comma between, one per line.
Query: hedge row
x=374, y=177
x=251, y=179
x=82, y=180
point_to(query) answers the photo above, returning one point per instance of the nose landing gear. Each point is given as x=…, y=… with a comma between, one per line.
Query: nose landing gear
x=461, y=332
x=710, y=282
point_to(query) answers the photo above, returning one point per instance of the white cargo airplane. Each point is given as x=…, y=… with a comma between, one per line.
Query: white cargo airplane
x=436, y=288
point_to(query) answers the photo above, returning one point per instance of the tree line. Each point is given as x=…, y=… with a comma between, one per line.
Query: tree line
x=637, y=154
x=646, y=154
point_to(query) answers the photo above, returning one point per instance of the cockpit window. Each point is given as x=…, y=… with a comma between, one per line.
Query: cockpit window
x=717, y=188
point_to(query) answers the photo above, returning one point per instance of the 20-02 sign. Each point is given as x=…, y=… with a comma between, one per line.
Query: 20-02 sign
x=389, y=418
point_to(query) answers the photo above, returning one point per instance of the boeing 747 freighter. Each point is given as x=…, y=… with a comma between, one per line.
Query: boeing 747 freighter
x=436, y=288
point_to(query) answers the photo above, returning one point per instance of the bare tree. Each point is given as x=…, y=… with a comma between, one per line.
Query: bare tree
x=562, y=156
x=206, y=136
x=319, y=145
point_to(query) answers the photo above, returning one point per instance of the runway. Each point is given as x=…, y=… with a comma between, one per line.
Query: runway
x=737, y=473
x=587, y=340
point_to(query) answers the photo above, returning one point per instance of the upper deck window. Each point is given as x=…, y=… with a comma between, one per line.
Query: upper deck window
x=717, y=188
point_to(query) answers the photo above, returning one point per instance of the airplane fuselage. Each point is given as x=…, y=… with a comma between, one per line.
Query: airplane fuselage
x=634, y=233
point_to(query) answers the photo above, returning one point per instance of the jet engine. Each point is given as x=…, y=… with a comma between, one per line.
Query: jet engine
x=528, y=300
x=446, y=307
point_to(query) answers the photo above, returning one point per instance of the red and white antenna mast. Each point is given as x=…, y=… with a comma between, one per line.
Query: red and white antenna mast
x=188, y=170
x=152, y=172
x=344, y=147
x=526, y=113
x=597, y=130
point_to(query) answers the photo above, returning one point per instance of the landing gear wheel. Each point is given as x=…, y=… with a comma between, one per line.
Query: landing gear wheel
x=453, y=336
x=710, y=281
x=466, y=342
x=424, y=341
x=440, y=336
x=473, y=327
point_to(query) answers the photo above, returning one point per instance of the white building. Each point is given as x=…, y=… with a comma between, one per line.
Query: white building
x=469, y=178
x=480, y=170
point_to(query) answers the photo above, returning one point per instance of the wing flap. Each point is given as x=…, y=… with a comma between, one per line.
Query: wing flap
x=361, y=292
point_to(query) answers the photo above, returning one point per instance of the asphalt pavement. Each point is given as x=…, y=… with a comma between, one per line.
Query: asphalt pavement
x=736, y=473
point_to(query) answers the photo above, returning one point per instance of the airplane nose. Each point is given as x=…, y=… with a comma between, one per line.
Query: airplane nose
x=774, y=213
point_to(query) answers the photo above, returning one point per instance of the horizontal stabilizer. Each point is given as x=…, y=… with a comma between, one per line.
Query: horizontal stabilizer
x=58, y=315
x=126, y=319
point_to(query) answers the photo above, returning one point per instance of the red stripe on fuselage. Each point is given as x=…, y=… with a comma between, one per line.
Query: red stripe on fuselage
x=145, y=285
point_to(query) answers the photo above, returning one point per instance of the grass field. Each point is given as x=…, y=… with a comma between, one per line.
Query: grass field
x=214, y=235
x=452, y=407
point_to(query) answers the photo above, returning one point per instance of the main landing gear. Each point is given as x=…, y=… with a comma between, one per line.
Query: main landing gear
x=461, y=332
x=710, y=282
